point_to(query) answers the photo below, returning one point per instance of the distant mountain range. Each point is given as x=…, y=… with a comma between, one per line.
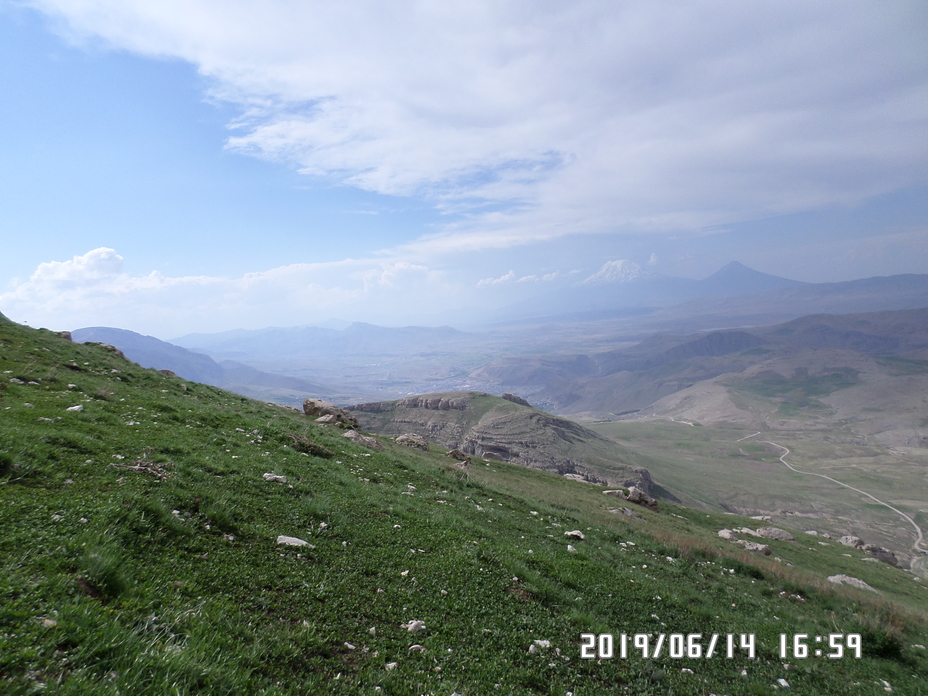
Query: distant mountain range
x=149, y=351
x=623, y=285
x=358, y=338
x=616, y=382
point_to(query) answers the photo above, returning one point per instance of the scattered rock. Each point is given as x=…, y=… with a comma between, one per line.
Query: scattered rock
x=320, y=407
x=639, y=497
x=293, y=541
x=853, y=582
x=15, y=380
x=774, y=533
x=746, y=530
x=727, y=534
x=327, y=420
x=571, y=549
x=811, y=532
x=852, y=541
x=762, y=518
x=625, y=511
x=78, y=408
x=275, y=478
x=413, y=440
x=575, y=534
x=539, y=645
x=754, y=547
x=457, y=454
x=417, y=648
x=371, y=442
x=414, y=626
x=617, y=494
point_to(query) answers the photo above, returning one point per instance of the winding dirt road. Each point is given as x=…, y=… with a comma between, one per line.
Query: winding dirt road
x=919, y=564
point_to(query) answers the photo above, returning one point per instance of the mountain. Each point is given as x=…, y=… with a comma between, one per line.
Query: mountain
x=170, y=537
x=504, y=430
x=151, y=352
x=737, y=279
x=304, y=341
x=618, y=381
x=622, y=286
x=883, y=293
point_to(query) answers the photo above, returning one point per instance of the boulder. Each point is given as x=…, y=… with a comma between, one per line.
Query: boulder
x=275, y=478
x=852, y=541
x=754, y=547
x=727, y=534
x=320, y=407
x=848, y=580
x=617, y=494
x=457, y=454
x=639, y=497
x=886, y=556
x=774, y=533
x=625, y=511
x=575, y=534
x=746, y=530
x=371, y=442
x=167, y=373
x=413, y=440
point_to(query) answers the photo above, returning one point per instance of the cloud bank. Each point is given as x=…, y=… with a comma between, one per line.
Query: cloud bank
x=93, y=289
x=528, y=120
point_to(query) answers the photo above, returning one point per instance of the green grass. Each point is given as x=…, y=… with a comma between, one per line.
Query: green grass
x=138, y=556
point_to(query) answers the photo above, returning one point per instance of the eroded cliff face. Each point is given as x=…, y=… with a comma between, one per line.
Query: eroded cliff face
x=506, y=430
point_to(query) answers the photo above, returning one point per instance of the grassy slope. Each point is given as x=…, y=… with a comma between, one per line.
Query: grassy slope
x=116, y=582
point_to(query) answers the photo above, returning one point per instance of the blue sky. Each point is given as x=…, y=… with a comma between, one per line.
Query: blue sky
x=172, y=166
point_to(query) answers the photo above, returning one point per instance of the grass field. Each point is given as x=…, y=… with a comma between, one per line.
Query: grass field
x=139, y=556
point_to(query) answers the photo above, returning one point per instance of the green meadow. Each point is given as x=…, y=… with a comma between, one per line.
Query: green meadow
x=139, y=555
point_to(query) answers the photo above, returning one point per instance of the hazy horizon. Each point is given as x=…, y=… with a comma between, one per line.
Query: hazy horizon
x=206, y=167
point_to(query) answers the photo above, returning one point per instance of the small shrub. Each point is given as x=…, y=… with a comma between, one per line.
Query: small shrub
x=104, y=570
x=6, y=464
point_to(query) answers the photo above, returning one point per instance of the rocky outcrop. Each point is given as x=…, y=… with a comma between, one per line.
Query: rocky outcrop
x=848, y=580
x=413, y=440
x=481, y=425
x=774, y=533
x=433, y=403
x=639, y=497
x=318, y=408
x=371, y=442
x=516, y=399
x=754, y=547
x=852, y=541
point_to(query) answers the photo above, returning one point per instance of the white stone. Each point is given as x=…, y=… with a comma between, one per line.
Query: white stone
x=848, y=580
x=79, y=407
x=275, y=478
x=293, y=541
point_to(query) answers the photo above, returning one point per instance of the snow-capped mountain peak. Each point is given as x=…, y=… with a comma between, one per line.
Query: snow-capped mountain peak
x=618, y=271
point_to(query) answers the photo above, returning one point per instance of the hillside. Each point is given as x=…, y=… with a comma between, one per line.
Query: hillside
x=502, y=430
x=142, y=554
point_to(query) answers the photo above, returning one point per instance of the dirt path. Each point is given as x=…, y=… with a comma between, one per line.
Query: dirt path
x=920, y=562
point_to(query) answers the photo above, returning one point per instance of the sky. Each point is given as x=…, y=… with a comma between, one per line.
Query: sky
x=171, y=167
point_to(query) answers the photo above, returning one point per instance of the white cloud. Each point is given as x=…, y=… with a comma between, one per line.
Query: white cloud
x=490, y=282
x=581, y=117
x=93, y=289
